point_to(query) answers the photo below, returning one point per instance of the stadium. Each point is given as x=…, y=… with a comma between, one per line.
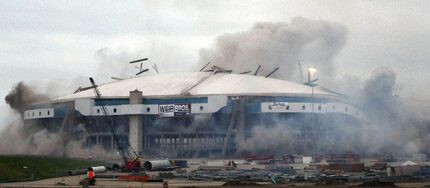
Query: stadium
x=188, y=114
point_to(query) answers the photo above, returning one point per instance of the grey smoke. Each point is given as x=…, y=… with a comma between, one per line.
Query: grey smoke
x=391, y=126
x=269, y=139
x=378, y=97
x=22, y=96
x=281, y=44
x=37, y=139
x=41, y=141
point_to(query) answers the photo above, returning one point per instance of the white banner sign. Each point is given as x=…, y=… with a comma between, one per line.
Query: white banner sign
x=171, y=110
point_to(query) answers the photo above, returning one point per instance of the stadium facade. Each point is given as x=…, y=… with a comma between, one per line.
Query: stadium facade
x=199, y=113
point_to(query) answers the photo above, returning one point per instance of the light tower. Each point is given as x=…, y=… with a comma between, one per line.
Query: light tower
x=312, y=84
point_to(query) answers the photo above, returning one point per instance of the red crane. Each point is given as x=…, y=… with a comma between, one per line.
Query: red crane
x=129, y=156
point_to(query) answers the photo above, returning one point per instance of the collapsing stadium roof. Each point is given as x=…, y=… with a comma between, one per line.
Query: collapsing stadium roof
x=197, y=84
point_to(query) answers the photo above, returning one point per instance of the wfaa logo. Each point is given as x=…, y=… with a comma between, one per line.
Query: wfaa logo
x=173, y=110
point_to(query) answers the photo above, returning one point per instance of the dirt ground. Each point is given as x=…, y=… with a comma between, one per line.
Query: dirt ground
x=73, y=181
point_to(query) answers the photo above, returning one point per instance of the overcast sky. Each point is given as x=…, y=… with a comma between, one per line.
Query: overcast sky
x=44, y=41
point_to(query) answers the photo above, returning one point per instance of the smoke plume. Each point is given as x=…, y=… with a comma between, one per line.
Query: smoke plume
x=378, y=97
x=37, y=139
x=269, y=139
x=22, y=96
x=390, y=126
x=281, y=45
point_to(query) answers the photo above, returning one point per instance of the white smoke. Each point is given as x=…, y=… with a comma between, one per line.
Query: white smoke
x=392, y=127
x=275, y=138
x=114, y=63
x=281, y=44
x=35, y=138
x=18, y=139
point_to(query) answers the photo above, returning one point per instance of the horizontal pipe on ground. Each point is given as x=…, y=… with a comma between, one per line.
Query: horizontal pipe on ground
x=99, y=169
x=156, y=165
x=96, y=169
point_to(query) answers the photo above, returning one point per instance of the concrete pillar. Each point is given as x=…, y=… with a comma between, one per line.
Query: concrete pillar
x=240, y=123
x=135, y=124
x=231, y=125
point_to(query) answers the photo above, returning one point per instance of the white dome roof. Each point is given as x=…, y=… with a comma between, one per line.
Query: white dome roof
x=197, y=84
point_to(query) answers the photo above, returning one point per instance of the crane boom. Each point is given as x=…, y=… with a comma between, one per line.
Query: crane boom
x=128, y=155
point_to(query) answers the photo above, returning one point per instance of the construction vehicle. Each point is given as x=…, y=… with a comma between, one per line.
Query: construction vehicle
x=128, y=155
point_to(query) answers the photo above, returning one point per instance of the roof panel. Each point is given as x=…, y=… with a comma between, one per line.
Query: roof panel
x=174, y=85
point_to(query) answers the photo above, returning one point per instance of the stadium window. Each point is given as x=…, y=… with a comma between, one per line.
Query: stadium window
x=114, y=110
x=148, y=109
x=303, y=107
x=288, y=107
x=201, y=108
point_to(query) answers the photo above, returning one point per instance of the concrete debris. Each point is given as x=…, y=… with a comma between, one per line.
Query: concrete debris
x=277, y=173
x=215, y=168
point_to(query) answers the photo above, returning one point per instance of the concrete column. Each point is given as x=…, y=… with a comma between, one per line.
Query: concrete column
x=135, y=124
x=236, y=122
x=240, y=123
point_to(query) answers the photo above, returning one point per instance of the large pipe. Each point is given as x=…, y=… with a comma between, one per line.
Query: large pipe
x=156, y=165
x=96, y=169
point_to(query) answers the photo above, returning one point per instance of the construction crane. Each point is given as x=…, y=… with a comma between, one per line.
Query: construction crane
x=129, y=156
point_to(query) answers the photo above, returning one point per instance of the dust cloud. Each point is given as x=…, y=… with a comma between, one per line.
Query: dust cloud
x=392, y=125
